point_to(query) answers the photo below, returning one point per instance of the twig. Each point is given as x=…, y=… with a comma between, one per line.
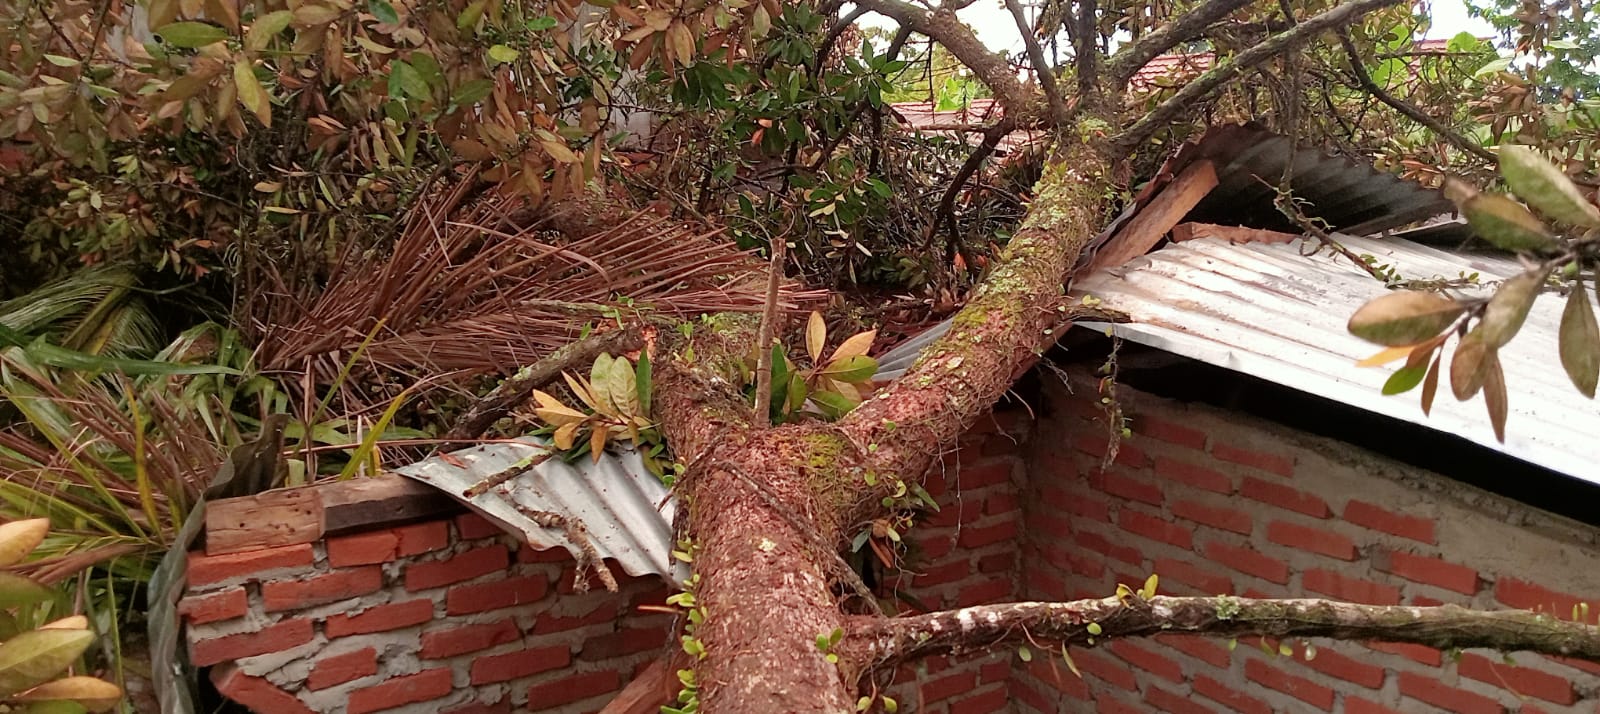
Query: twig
x=769, y=315
x=517, y=388
x=579, y=536
x=1041, y=67
x=1128, y=61
x=946, y=211
x=1411, y=111
x=1191, y=93
x=504, y=475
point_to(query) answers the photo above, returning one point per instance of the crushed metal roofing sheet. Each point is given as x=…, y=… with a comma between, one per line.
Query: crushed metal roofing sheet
x=626, y=510
x=1274, y=312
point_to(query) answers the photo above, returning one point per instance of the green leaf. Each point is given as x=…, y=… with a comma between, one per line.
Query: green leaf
x=501, y=54
x=1509, y=307
x=191, y=35
x=472, y=92
x=428, y=68
x=60, y=61
x=642, y=382
x=1506, y=224
x=44, y=353
x=857, y=369
x=17, y=590
x=833, y=404
x=265, y=28
x=383, y=11
x=404, y=77
x=37, y=656
x=1404, y=318
x=468, y=19
x=1545, y=187
x=541, y=23
x=1405, y=379
x=1580, y=341
x=1492, y=66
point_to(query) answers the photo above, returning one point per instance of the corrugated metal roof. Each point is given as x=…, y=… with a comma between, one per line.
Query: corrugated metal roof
x=625, y=509
x=1275, y=313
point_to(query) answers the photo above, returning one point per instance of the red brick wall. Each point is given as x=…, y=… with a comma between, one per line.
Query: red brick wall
x=1221, y=503
x=444, y=616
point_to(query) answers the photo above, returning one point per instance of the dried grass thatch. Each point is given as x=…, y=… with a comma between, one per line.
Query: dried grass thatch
x=488, y=292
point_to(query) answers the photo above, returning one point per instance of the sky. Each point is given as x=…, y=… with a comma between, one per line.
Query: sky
x=998, y=30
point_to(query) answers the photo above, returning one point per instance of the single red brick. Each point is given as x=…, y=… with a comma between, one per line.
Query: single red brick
x=978, y=475
x=1207, y=581
x=1227, y=519
x=1377, y=518
x=1344, y=587
x=1416, y=653
x=626, y=641
x=976, y=537
x=449, y=642
x=1427, y=688
x=1154, y=528
x=1315, y=540
x=996, y=562
x=338, y=669
x=1271, y=463
x=1054, y=675
x=1107, y=704
x=1045, y=586
x=1357, y=705
x=1282, y=496
x=363, y=549
x=512, y=665
x=482, y=597
x=1204, y=649
x=994, y=672
x=277, y=637
x=379, y=618
x=1524, y=595
x=1164, y=701
x=422, y=538
x=1522, y=681
x=993, y=700
x=1248, y=561
x=214, y=607
x=1133, y=489
x=1590, y=667
x=1031, y=697
x=1049, y=524
x=256, y=693
x=547, y=623
x=998, y=503
x=1348, y=669
x=572, y=689
x=1197, y=476
x=1099, y=544
x=1229, y=695
x=423, y=686
x=948, y=687
x=1148, y=660
x=983, y=593
x=1432, y=571
x=338, y=585
x=208, y=569
x=1298, y=687
x=1171, y=432
x=1114, y=672
x=471, y=526
x=466, y=566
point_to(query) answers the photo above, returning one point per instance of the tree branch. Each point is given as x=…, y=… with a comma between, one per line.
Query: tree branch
x=1225, y=72
x=1129, y=60
x=1041, y=67
x=880, y=642
x=1086, y=56
x=1411, y=111
x=517, y=388
x=944, y=27
x=945, y=214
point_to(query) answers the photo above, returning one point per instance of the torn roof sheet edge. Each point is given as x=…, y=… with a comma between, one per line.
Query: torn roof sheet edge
x=625, y=511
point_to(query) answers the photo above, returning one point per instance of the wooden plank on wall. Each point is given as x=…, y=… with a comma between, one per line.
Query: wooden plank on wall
x=1157, y=217
x=1233, y=234
x=302, y=515
x=266, y=520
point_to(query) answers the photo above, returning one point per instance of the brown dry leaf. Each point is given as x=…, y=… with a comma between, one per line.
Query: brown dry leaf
x=597, y=443
x=1467, y=366
x=1494, y=394
x=857, y=345
x=816, y=336
x=1430, y=384
x=1580, y=341
x=566, y=435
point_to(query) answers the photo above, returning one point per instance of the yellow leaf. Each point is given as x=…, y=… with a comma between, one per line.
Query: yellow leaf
x=565, y=435
x=1386, y=355
x=560, y=416
x=816, y=335
x=19, y=538
x=583, y=389
x=857, y=345
x=683, y=42
x=251, y=95
x=558, y=151
x=265, y=28
x=314, y=15
x=96, y=695
x=71, y=622
x=547, y=401
x=268, y=186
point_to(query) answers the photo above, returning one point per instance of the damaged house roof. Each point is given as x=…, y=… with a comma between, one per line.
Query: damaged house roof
x=1275, y=310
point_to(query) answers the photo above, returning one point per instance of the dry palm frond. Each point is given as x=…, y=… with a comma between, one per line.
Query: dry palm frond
x=484, y=294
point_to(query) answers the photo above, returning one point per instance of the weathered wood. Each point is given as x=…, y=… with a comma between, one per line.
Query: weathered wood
x=390, y=498
x=265, y=520
x=303, y=515
x=1163, y=212
x=655, y=686
x=1233, y=234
